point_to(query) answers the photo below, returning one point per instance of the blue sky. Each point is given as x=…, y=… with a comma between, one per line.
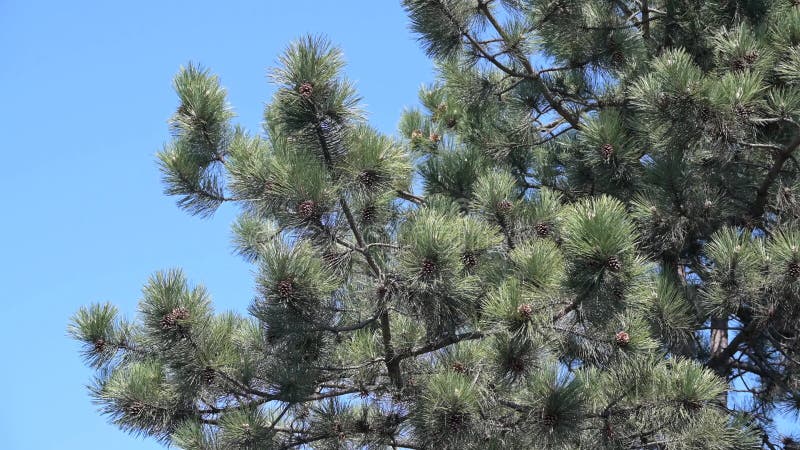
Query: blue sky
x=85, y=95
x=84, y=99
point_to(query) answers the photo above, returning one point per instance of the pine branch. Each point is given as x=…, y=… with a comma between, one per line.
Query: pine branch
x=345, y=328
x=757, y=209
x=323, y=142
x=645, y=20
x=501, y=220
x=722, y=360
x=410, y=197
x=392, y=360
x=392, y=365
x=354, y=367
x=566, y=310
x=531, y=73
x=440, y=344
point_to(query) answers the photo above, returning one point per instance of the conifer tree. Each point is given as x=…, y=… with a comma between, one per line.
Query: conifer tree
x=586, y=238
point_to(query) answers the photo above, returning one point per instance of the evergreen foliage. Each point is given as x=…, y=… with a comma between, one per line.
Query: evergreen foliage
x=604, y=251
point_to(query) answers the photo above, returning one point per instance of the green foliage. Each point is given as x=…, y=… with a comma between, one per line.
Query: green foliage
x=245, y=429
x=556, y=403
x=538, y=265
x=610, y=152
x=584, y=237
x=669, y=313
x=737, y=260
x=448, y=411
x=439, y=24
x=201, y=130
x=599, y=240
x=312, y=98
x=452, y=173
x=292, y=276
x=97, y=328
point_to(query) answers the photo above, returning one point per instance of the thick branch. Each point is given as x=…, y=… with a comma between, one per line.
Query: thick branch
x=440, y=344
x=345, y=208
x=392, y=360
x=761, y=195
x=410, y=197
x=720, y=361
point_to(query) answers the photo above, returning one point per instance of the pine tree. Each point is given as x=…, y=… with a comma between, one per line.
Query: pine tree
x=605, y=252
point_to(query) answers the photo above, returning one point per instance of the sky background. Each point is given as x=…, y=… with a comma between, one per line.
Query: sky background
x=85, y=94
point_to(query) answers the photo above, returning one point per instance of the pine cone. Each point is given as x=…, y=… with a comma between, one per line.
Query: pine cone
x=622, y=338
x=307, y=209
x=451, y=123
x=368, y=178
x=173, y=318
x=664, y=100
x=469, y=260
x=692, y=405
x=504, y=206
x=209, y=374
x=135, y=408
x=613, y=263
x=745, y=61
x=99, y=344
x=609, y=430
x=549, y=420
x=456, y=421
x=516, y=364
x=459, y=367
x=525, y=311
x=368, y=214
x=428, y=268
x=247, y=430
x=751, y=57
x=743, y=111
x=434, y=138
x=362, y=425
x=794, y=270
x=286, y=288
x=542, y=230
x=416, y=135
x=704, y=114
x=306, y=90
x=607, y=151
x=618, y=58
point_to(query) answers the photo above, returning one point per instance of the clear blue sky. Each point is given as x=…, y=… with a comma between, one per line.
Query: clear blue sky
x=84, y=99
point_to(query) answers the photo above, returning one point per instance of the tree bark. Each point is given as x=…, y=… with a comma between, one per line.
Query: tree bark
x=719, y=342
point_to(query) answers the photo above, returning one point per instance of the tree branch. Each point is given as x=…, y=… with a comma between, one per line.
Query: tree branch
x=441, y=343
x=531, y=73
x=410, y=197
x=760, y=202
